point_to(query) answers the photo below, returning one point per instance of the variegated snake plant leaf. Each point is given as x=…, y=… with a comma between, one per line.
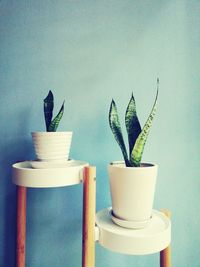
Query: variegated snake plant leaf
x=48, y=109
x=132, y=124
x=138, y=148
x=116, y=129
x=55, y=122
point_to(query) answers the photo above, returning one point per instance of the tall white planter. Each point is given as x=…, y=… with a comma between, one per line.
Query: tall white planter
x=132, y=193
x=52, y=146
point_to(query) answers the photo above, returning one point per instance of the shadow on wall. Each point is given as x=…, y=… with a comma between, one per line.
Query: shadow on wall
x=15, y=149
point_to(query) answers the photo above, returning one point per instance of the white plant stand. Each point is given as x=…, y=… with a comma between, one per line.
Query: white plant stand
x=24, y=176
x=152, y=239
x=155, y=238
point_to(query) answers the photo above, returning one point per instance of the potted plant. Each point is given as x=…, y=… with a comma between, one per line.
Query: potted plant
x=52, y=145
x=132, y=182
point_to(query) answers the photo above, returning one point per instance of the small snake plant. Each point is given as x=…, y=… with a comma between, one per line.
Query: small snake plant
x=136, y=136
x=51, y=125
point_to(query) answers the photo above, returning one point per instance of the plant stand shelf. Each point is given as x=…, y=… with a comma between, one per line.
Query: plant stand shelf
x=24, y=176
x=154, y=238
x=151, y=239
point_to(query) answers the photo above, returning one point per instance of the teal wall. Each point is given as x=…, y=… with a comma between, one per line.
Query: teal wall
x=88, y=52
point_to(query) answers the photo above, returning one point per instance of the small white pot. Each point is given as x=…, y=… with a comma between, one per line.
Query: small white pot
x=52, y=146
x=132, y=193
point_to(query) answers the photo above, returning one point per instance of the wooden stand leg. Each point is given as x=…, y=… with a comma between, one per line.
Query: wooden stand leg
x=165, y=255
x=89, y=211
x=21, y=226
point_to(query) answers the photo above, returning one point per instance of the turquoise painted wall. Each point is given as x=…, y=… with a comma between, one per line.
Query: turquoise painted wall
x=88, y=52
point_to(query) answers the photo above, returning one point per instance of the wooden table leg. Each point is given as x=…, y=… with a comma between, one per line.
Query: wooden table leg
x=21, y=226
x=89, y=211
x=165, y=255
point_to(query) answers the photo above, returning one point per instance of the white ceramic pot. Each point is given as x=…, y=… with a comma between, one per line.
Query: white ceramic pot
x=52, y=146
x=132, y=193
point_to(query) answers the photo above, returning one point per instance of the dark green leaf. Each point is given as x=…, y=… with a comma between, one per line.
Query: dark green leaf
x=55, y=122
x=48, y=109
x=116, y=129
x=138, y=148
x=132, y=123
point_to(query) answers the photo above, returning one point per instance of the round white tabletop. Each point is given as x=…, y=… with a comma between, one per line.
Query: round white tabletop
x=151, y=239
x=24, y=174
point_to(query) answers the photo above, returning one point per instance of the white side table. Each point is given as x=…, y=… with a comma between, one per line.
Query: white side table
x=24, y=176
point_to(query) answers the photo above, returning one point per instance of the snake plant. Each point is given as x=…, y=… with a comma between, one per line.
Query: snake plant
x=52, y=124
x=137, y=136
